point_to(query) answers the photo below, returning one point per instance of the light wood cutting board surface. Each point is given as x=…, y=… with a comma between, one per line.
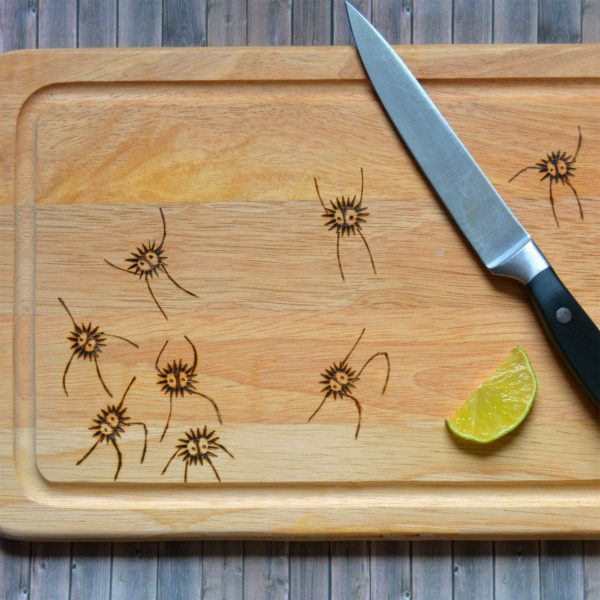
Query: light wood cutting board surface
x=209, y=158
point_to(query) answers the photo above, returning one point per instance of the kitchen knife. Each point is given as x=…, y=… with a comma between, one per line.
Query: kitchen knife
x=500, y=241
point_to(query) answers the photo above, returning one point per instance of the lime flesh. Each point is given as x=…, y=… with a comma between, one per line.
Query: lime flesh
x=500, y=403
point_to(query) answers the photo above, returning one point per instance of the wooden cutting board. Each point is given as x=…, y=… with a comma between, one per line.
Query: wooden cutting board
x=199, y=166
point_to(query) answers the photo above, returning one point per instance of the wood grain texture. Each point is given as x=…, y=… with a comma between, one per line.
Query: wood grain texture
x=50, y=571
x=180, y=566
x=515, y=21
x=589, y=25
x=140, y=23
x=561, y=570
x=223, y=571
x=432, y=22
x=341, y=26
x=15, y=569
x=134, y=571
x=227, y=22
x=517, y=570
x=591, y=569
x=310, y=571
x=57, y=24
x=393, y=18
x=424, y=458
x=90, y=571
x=266, y=569
x=311, y=25
x=473, y=571
x=97, y=24
x=432, y=570
x=184, y=23
x=472, y=21
x=270, y=23
x=390, y=571
x=590, y=21
x=18, y=24
x=559, y=22
x=350, y=570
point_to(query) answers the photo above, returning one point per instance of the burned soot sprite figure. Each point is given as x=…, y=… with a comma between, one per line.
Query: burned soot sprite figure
x=177, y=379
x=346, y=216
x=340, y=379
x=196, y=447
x=87, y=343
x=557, y=166
x=148, y=261
x=109, y=424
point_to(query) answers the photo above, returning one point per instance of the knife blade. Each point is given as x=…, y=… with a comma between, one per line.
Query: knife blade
x=501, y=242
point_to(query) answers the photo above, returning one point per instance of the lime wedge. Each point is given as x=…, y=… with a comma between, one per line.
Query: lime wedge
x=500, y=403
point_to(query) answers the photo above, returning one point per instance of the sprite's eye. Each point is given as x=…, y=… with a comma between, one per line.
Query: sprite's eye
x=551, y=168
x=183, y=379
x=562, y=167
x=81, y=340
x=351, y=216
x=341, y=377
x=192, y=448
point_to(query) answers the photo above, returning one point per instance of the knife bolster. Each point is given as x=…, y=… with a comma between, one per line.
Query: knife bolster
x=522, y=265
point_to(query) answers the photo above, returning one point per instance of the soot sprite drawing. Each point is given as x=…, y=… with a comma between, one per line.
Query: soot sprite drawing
x=148, y=261
x=197, y=447
x=178, y=379
x=346, y=216
x=340, y=379
x=87, y=343
x=557, y=166
x=109, y=424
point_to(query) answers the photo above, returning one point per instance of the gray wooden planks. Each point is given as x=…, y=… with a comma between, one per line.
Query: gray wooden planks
x=270, y=23
x=559, y=21
x=50, y=571
x=311, y=25
x=134, y=571
x=223, y=571
x=57, y=24
x=97, y=24
x=515, y=21
x=473, y=571
x=561, y=570
x=341, y=27
x=140, y=23
x=472, y=21
x=227, y=22
x=390, y=571
x=432, y=21
x=184, y=23
x=394, y=19
x=590, y=21
x=15, y=569
x=18, y=24
x=432, y=570
x=309, y=571
x=90, y=571
x=591, y=570
x=517, y=571
x=179, y=570
x=350, y=570
x=266, y=570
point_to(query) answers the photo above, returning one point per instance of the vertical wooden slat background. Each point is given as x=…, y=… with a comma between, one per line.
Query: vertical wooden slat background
x=428, y=570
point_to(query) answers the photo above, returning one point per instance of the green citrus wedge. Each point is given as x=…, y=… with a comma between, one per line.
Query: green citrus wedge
x=500, y=403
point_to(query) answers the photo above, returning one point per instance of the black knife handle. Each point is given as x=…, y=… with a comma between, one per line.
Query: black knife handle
x=574, y=334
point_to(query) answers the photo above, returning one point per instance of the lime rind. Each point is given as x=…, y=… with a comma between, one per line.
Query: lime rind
x=500, y=403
